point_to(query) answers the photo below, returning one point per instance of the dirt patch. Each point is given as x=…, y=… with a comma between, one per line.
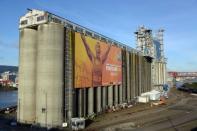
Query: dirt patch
x=142, y=114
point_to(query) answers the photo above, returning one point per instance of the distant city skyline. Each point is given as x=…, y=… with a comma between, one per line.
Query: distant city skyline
x=115, y=19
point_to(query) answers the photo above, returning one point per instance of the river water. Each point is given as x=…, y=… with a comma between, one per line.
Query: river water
x=8, y=98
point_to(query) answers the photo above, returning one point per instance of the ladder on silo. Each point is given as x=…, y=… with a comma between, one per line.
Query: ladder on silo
x=68, y=75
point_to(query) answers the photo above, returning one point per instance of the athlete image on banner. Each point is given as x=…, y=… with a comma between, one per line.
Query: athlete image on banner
x=96, y=63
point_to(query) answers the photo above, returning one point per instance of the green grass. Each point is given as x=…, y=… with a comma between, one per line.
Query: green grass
x=191, y=85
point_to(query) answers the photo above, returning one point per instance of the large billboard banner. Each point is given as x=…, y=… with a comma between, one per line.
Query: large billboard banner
x=96, y=63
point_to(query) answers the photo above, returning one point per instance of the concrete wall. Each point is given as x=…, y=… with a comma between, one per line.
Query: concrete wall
x=49, y=75
x=26, y=112
x=159, y=72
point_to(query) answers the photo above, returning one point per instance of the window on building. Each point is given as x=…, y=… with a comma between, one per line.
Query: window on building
x=78, y=29
x=96, y=36
x=24, y=22
x=88, y=33
x=56, y=20
x=70, y=26
x=40, y=18
x=103, y=39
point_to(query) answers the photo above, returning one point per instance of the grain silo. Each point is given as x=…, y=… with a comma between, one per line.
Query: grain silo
x=49, y=85
x=27, y=75
x=59, y=62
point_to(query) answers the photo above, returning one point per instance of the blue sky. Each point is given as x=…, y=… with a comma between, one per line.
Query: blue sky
x=116, y=19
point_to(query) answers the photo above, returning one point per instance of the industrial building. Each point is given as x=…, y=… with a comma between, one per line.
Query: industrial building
x=67, y=71
x=151, y=44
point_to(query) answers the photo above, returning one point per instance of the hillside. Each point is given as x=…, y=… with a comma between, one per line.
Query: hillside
x=4, y=68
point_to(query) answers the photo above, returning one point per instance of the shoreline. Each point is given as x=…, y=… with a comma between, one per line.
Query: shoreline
x=8, y=89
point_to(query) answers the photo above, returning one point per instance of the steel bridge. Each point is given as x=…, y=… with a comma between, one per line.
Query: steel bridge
x=182, y=74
